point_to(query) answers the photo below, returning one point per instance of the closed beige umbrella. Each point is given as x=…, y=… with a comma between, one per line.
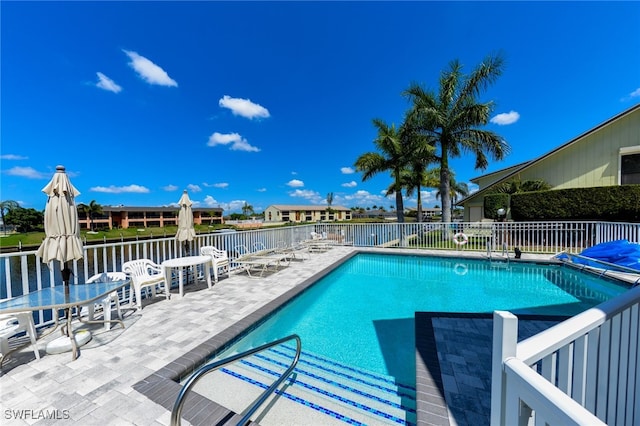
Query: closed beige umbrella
x=62, y=230
x=185, y=220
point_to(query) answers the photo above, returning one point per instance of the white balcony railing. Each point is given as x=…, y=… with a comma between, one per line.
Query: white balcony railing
x=583, y=371
x=22, y=272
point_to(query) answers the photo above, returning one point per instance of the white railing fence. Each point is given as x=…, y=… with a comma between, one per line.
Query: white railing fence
x=22, y=272
x=583, y=371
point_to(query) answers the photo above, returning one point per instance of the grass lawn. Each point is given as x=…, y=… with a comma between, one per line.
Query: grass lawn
x=33, y=239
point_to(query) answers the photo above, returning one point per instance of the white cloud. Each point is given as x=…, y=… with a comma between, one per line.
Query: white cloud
x=148, y=71
x=193, y=188
x=350, y=184
x=294, y=173
x=238, y=143
x=210, y=201
x=215, y=185
x=170, y=188
x=363, y=197
x=635, y=93
x=243, y=107
x=107, y=84
x=309, y=195
x=505, y=118
x=28, y=172
x=295, y=183
x=347, y=170
x=235, y=205
x=262, y=189
x=137, y=189
x=12, y=157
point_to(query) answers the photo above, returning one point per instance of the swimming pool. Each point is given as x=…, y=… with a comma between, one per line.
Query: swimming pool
x=362, y=313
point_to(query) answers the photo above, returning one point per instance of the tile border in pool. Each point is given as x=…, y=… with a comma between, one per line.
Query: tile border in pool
x=163, y=385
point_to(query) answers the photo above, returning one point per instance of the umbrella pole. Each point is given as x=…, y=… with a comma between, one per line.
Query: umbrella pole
x=66, y=275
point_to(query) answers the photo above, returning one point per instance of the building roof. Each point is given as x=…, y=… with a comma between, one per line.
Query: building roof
x=156, y=209
x=300, y=207
x=506, y=169
x=522, y=166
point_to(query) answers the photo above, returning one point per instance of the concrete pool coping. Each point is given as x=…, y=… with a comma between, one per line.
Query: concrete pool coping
x=163, y=386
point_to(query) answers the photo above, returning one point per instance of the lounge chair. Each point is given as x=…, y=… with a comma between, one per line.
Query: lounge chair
x=219, y=258
x=105, y=303
x=12, y=325
x=295, y=251
x=317, y=243
x=260, y=260
x=260, y=250
x=146, y=274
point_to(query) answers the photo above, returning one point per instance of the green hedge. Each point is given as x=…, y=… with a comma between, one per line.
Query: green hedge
x=493, y=202
x=611, y=203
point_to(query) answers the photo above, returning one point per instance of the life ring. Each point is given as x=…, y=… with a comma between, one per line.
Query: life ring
x=460, y=269
x=458, y=241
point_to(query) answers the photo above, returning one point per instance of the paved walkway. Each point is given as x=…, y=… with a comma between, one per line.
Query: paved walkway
x=97, y=387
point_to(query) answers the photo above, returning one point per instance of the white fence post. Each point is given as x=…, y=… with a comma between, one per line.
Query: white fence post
x=505, y=341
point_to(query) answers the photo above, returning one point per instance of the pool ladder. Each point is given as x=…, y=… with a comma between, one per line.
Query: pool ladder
x=505, y=254
x=208, y=368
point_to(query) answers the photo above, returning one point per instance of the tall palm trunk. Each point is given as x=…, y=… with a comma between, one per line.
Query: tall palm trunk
x=445, y=185
x=399, y=207
x=419, y=218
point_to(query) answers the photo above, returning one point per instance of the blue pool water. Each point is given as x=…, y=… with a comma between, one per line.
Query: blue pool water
x=362, y=313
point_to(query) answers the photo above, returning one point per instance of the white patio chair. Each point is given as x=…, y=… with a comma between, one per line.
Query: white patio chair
x=219, y=258
x=145, y=274
x=13, y=324
x=105, y=303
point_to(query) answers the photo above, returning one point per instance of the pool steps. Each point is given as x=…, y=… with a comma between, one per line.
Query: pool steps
x=321, y=391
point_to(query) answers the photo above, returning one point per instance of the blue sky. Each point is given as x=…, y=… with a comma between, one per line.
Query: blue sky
x=271, y=103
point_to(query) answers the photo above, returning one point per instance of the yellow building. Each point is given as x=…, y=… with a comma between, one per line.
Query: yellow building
x=302, y=213
x=607, y=155
x=144, y=217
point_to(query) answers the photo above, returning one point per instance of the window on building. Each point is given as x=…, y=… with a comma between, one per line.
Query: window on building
x=630, y=169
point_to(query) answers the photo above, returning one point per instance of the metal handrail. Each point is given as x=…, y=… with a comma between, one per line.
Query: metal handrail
x=177, y=408
x=614, y=267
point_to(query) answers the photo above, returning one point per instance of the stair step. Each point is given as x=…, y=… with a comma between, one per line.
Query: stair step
x=342, y=376
x=323, y=389
x=347, y=371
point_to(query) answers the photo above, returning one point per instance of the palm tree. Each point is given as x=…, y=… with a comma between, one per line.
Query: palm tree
x=7, y=206
x=90, y=210
x=390, y=158
x=420, y=153
x=457, y=189
x=516, y=186
x=247, y=209
x=451, y=118
x=329, y=202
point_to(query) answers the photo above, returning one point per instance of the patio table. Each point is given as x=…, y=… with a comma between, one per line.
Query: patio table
x=63, y=297
x=185, y=262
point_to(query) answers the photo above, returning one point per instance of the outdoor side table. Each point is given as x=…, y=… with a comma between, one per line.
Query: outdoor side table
x=184, y=262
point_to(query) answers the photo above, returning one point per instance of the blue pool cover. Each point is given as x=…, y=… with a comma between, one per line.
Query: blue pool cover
x=619, y=252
